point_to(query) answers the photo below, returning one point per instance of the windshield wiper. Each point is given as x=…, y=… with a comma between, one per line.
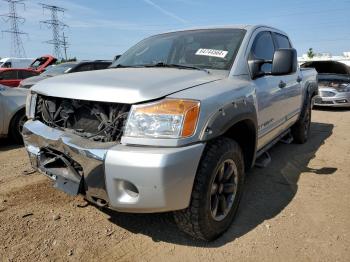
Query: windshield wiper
x=126, y=66
x=161, y=64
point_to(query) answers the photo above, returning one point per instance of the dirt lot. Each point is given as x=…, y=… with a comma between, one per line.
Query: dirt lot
x=296, y=209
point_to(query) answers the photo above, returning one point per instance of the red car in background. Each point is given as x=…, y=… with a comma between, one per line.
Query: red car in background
x=41, y=63
x=13, y=76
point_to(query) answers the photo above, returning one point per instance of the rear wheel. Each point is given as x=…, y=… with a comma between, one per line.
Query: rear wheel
x=301, y=129
x=16, y=126
x=216, y=191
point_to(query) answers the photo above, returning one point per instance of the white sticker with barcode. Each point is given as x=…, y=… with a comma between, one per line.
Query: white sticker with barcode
x=212, y=52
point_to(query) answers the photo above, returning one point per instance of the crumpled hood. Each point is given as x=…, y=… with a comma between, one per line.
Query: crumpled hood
x=123, y=85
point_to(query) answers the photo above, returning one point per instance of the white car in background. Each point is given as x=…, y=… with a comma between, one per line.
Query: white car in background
x=12, y=112
x=12, y=62
x=333, y=83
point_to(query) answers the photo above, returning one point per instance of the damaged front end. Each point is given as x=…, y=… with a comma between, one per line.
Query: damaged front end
x=98, y=121
x=67, y=140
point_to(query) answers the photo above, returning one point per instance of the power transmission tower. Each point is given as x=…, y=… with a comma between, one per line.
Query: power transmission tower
x=17, y=48
x=56, y=25
x=65, y=45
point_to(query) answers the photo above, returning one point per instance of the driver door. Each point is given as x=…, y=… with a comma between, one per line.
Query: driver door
x=270, y=95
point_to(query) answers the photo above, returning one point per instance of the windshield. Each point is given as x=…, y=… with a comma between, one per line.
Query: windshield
x=57, y=69
x=209, y=49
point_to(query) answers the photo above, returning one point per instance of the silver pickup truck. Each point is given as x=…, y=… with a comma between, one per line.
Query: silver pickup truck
x=174, y=124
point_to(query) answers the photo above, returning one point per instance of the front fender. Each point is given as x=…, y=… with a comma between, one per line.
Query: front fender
x=228, y=115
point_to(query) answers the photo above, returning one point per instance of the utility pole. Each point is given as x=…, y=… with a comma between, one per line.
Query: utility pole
x=65, y=45
x=14, y=20
x=56, y=25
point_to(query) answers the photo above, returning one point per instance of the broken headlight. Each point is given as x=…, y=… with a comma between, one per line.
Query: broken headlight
x=30, y=105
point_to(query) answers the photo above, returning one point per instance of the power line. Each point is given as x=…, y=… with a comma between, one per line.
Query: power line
x=56, y=25
x=17, y=48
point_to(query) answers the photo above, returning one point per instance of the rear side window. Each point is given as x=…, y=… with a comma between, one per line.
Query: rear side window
x=282, y=41
x=26, y=74
x=99, y=66
x=84, y=67
x=9, y=75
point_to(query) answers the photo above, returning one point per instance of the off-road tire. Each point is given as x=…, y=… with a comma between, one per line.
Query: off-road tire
x=197, y=219
x=15, y=127
x=301, y=129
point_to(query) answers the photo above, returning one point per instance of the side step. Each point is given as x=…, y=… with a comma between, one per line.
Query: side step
x=263, y=160
x=287, y=139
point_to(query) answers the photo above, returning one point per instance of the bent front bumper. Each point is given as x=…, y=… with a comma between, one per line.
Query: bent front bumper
x=124, y=178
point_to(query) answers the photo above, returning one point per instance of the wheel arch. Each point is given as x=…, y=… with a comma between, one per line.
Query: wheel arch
x=13, y=117
x=238, y=121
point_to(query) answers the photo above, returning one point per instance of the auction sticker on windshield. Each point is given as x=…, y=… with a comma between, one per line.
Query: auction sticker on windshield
x=212, y=52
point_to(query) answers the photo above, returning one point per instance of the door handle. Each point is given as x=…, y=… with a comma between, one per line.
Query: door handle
x=299, y=79
x=282, y=84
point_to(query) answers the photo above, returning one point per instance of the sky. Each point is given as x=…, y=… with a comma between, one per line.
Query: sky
x=105, y=28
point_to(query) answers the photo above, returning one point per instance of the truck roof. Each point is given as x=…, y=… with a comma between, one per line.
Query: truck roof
x=247, y=27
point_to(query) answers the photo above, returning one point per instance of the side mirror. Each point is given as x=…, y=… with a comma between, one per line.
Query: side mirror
x=255, y=67
x=284, y=61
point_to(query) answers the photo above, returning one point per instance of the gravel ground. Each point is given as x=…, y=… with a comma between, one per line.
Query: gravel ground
x=296, y=209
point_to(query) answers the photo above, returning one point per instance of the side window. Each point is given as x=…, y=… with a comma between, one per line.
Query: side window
x=7, y=65
x=26, y=74
x=282, y=41
x=263, y=48
x=84, y=67
x=9, y=75
x=99, y=66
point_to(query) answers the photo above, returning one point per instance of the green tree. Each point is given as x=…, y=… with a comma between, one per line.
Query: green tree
x=310, y=53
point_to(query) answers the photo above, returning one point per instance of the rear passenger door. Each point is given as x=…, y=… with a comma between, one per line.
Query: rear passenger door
x=292, y=89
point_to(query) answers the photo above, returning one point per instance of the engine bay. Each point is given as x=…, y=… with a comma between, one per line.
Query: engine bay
x=98, y=121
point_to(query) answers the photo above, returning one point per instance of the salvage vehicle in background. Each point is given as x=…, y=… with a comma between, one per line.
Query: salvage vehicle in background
x=12, y=112
x=174, y=124
x=11, y=77
x=41, y=63
x=333, y=83
x=13, y=62
x=65, y=68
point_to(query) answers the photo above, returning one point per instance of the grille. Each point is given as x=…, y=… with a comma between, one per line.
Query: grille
x=98, y=121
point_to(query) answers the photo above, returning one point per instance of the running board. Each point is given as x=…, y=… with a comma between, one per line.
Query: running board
x=264, y=160
x=287, y=139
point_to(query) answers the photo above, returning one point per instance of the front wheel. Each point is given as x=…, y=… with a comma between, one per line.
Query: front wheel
x=216, y=191
x=16, y=127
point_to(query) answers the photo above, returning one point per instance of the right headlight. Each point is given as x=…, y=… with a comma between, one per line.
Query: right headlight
x=344, y=88
x=167, y=118
x=30, y=105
